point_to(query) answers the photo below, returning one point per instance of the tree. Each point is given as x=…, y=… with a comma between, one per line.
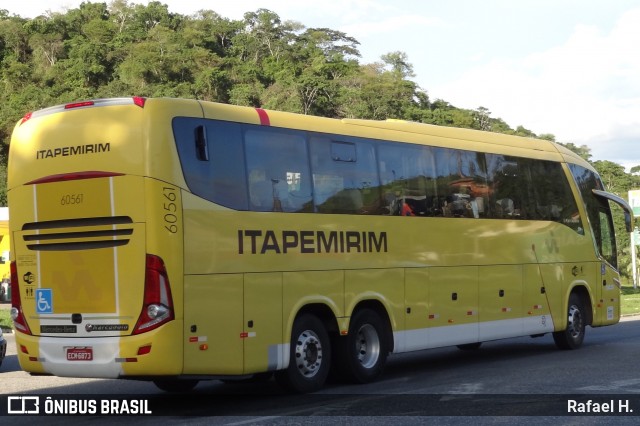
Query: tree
x=583, y=150
x=481, y=119
x=266, y=35
x=399, y=64
x=124, y=48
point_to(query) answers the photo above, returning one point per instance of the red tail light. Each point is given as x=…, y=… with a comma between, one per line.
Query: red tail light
x=157, y=308
x=19, y=321
x=139, y=101
x=79, y=104
x=26, y=117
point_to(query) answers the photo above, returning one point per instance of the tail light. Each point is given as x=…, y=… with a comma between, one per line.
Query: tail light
x=157, y=308
x=19, y=321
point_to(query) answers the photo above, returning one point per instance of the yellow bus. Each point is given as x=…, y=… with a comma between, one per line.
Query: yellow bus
x=177, y=240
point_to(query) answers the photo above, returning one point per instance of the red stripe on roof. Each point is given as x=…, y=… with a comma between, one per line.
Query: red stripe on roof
x=264, y=117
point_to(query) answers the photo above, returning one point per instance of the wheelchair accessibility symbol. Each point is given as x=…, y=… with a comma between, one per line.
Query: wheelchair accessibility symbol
x=44, y=301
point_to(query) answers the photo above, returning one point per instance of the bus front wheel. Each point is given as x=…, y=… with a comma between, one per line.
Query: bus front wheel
x=573, y=335
x=363, y=352
x=309, y=356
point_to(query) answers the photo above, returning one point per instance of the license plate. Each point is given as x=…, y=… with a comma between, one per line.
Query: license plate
x=79, y=354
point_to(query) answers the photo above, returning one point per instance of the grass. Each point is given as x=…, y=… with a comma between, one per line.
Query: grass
x=5, y=319
x=629, y=305
x=630, y=301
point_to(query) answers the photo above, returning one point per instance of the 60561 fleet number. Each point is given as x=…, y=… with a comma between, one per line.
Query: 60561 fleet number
x=71, y=199
x=170, y=208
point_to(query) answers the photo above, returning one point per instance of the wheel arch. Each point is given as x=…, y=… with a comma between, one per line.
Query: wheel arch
x=320, y=310
x=578, y=315
x=581, y=290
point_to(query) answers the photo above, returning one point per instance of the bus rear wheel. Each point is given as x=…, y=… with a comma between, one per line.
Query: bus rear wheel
x=309, y=356
x=573, y=335
x=363, y=352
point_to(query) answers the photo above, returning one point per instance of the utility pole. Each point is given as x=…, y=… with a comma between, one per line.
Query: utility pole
x=633, y=258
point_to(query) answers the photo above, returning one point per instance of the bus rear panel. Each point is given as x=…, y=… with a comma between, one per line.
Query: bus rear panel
x=93, y=294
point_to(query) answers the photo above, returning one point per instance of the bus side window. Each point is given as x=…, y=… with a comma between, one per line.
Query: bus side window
x=345, y=176
x=554, y=199
x=277, y=170
x=462, y=178
x=407, y=176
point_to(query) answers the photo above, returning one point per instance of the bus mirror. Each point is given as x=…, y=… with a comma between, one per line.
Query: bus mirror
x=628, y=221
x=628, y=211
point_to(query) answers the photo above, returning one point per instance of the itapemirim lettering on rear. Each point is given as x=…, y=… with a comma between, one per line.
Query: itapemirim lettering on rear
x=67, y=151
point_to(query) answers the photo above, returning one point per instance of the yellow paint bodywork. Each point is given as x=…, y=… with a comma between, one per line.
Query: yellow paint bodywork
x=234, y=309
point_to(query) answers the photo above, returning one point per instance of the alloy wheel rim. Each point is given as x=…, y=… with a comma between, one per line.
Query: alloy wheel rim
x=308, y=353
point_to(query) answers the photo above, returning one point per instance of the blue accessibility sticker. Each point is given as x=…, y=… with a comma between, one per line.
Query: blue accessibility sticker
x=44, y=301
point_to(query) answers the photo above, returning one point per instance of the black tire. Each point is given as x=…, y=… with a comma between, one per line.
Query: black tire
x=309, y=356
x=470, y=346
x=364, y=351
x=175, y=385
x=573, y=335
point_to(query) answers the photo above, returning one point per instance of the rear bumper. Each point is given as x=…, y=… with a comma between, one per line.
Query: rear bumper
x=112, y=357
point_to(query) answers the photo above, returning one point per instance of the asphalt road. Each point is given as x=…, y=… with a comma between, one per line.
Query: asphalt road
x=514, y=381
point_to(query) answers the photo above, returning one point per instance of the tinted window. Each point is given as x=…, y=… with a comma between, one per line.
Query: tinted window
x=407, y=175
x=553, y=197
x=345, y=176
x=461, y=182
x=586, y=180
x=212, y=160
x=248, y=167
x=598, y=212
x=509, y=188
x=277, y=171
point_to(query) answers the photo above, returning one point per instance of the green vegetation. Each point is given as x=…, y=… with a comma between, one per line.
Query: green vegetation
x=630, y=301
x=122, y=49
x=5, y=319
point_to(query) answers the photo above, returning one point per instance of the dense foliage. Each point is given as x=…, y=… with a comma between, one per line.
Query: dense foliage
x=121, y=49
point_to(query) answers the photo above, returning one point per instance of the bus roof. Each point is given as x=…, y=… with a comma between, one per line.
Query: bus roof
x=408, y=131
x=390, y=129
